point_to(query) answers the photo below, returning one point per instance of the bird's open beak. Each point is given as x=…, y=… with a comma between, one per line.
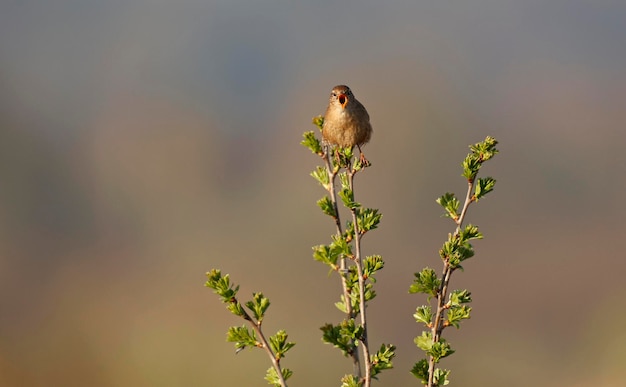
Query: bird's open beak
x=343, y=100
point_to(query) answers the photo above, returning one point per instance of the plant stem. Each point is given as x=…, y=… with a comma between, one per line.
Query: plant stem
x=256, y=325
x=343, y=271
x=333, y=196
x=359, y=266
x=275, y=362
x=468, y=201
x=438, y=325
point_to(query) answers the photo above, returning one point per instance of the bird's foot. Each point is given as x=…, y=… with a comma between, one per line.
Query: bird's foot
x=364, y=162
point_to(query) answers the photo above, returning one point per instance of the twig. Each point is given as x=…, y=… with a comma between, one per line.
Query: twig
x=275, y=362
x=343, y=271
x=438, y=325
x=359, y=266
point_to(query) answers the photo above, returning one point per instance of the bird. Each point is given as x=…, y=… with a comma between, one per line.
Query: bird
x=346, y=122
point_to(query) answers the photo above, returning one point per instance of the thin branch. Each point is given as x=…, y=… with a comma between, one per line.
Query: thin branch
x=333, y=195
x=256, y=325
x=359, y=266
x=275, y=362
x=468, y=201
x=438, y=325
x=343, y=270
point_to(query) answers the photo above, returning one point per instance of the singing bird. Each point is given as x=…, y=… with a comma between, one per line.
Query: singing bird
x=346, y=122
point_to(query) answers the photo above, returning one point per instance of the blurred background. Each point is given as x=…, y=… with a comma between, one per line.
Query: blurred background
x=145, y=142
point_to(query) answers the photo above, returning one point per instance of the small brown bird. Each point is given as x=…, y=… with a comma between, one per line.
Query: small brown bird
x=346, y=122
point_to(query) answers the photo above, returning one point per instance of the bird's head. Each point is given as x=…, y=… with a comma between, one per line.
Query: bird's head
x=341, y=94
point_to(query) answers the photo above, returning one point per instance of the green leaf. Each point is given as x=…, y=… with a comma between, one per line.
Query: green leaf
x=370, y=293
x=371, y=265
x=480, y=152
x=486, y=149
x=470, y=232
x=440, y=349
x=451, y=204
x=258, y=306
x=337, y=337
x=420, y=370
x=327, y=206
x=340, y=246
x=347, y=197
x=423, y=314
x=221, y=285
x=456, y=313
x=458, y=297
x=323, y=253
x=440, y=377
x=456, y=249
x=425, y=341
x=344, y=180
x=330, y=254
x=349, y=233
x=213, y=277
x=471, y=165
x=345, y=156
x=352, y=279
x=352, y=282
x=437, y=350
x=350, y=381
x=311, y=142
x=483, y=187
x=341, y=305
x=321, y=175
x=242, y=337
x=272, y=376
x=368, y=219
x=235, y=308
x=350, y=329
x=381, y=360
x=318, y=121
x=426, y=282
x=279, y=344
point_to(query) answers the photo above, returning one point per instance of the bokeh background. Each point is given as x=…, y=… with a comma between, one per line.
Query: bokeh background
x=144, y=142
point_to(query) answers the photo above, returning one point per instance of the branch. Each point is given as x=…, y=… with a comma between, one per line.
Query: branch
x=359, y=266
x=343, y=270
x=453, y=252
